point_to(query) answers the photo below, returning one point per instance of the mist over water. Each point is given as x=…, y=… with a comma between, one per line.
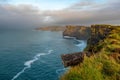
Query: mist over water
x=34, y=55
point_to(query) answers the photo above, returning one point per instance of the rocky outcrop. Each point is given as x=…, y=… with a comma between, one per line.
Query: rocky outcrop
x=72, y=59
x=79, y=32
x=98, y=33
x=51, y=28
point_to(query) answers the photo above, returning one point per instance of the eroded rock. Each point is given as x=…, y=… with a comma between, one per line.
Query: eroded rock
x=72, y=59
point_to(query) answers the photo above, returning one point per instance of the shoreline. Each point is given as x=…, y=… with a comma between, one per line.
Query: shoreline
x=98, y=56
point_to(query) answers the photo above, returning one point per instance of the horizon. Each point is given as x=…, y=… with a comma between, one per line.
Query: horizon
x=37, y=13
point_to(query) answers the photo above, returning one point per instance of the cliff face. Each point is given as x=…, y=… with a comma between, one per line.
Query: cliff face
x=102, y=56
x=98, y=33
x=79, y=32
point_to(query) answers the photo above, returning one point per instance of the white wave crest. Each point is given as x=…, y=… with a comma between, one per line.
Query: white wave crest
x=62, y=70
x=81, y=44
x=68, y=37
x=30, y=62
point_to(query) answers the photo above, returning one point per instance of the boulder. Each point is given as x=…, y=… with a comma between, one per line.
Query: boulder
x=72, y=59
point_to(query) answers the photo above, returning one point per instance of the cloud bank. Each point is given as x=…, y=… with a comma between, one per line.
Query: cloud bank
x=82, y=13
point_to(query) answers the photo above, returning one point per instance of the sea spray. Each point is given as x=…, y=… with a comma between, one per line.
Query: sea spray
x=81, y=44
x=61, y=71
x=68, y=37
x=28, y=64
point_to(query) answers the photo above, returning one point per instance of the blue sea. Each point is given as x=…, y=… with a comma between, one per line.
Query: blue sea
x=34, y=55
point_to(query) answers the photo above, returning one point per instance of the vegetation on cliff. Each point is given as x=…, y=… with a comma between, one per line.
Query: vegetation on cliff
x=104, y=64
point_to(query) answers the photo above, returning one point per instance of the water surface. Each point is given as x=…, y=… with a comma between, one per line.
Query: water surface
x=34, y=55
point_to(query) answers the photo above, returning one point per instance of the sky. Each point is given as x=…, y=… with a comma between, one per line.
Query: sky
x=40, y=13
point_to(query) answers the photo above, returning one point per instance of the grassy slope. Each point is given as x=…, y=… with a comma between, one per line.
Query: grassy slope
x=101, y=66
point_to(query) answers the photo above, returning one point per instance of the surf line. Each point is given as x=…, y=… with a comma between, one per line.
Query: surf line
x=62, y=70
x=28, y=64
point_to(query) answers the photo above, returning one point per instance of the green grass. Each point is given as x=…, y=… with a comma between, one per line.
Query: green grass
x=101, y=66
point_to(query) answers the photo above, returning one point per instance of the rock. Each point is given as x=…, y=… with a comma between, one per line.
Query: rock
x=72, y=59
x=79, y=32
x=98, y=33
x=89, y=54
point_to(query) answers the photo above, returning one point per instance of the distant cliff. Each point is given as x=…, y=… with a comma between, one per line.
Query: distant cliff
x=79, y=32
x=51, y=28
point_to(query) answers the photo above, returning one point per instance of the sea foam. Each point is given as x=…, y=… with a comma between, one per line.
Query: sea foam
x=58, y=71
x=61, y=71
x=81, y=43
x=28, y=63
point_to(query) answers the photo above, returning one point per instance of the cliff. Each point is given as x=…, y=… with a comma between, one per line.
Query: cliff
x=101, y=60
x=98, y=33
x=72, y=59
x=51, y=28
x=79, y=32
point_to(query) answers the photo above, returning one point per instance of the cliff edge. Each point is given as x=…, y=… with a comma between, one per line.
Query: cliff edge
x=101, y=60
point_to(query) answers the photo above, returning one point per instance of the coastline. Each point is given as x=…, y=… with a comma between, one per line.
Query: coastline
x=96, y=48
x=80, y=44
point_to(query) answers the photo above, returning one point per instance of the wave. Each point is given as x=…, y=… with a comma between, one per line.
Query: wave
x=81, y=44
x=28, y=64
x=62, y=70
x=68, y=37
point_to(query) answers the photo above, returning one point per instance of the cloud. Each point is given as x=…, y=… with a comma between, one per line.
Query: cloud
x=81, y=13
x=85, y=5
x=99, y=13
x=20, y=16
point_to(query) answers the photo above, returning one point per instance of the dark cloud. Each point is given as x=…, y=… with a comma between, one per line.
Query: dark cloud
x=30, y=16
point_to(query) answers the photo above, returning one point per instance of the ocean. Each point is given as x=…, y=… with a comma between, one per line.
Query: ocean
x=34, y=55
